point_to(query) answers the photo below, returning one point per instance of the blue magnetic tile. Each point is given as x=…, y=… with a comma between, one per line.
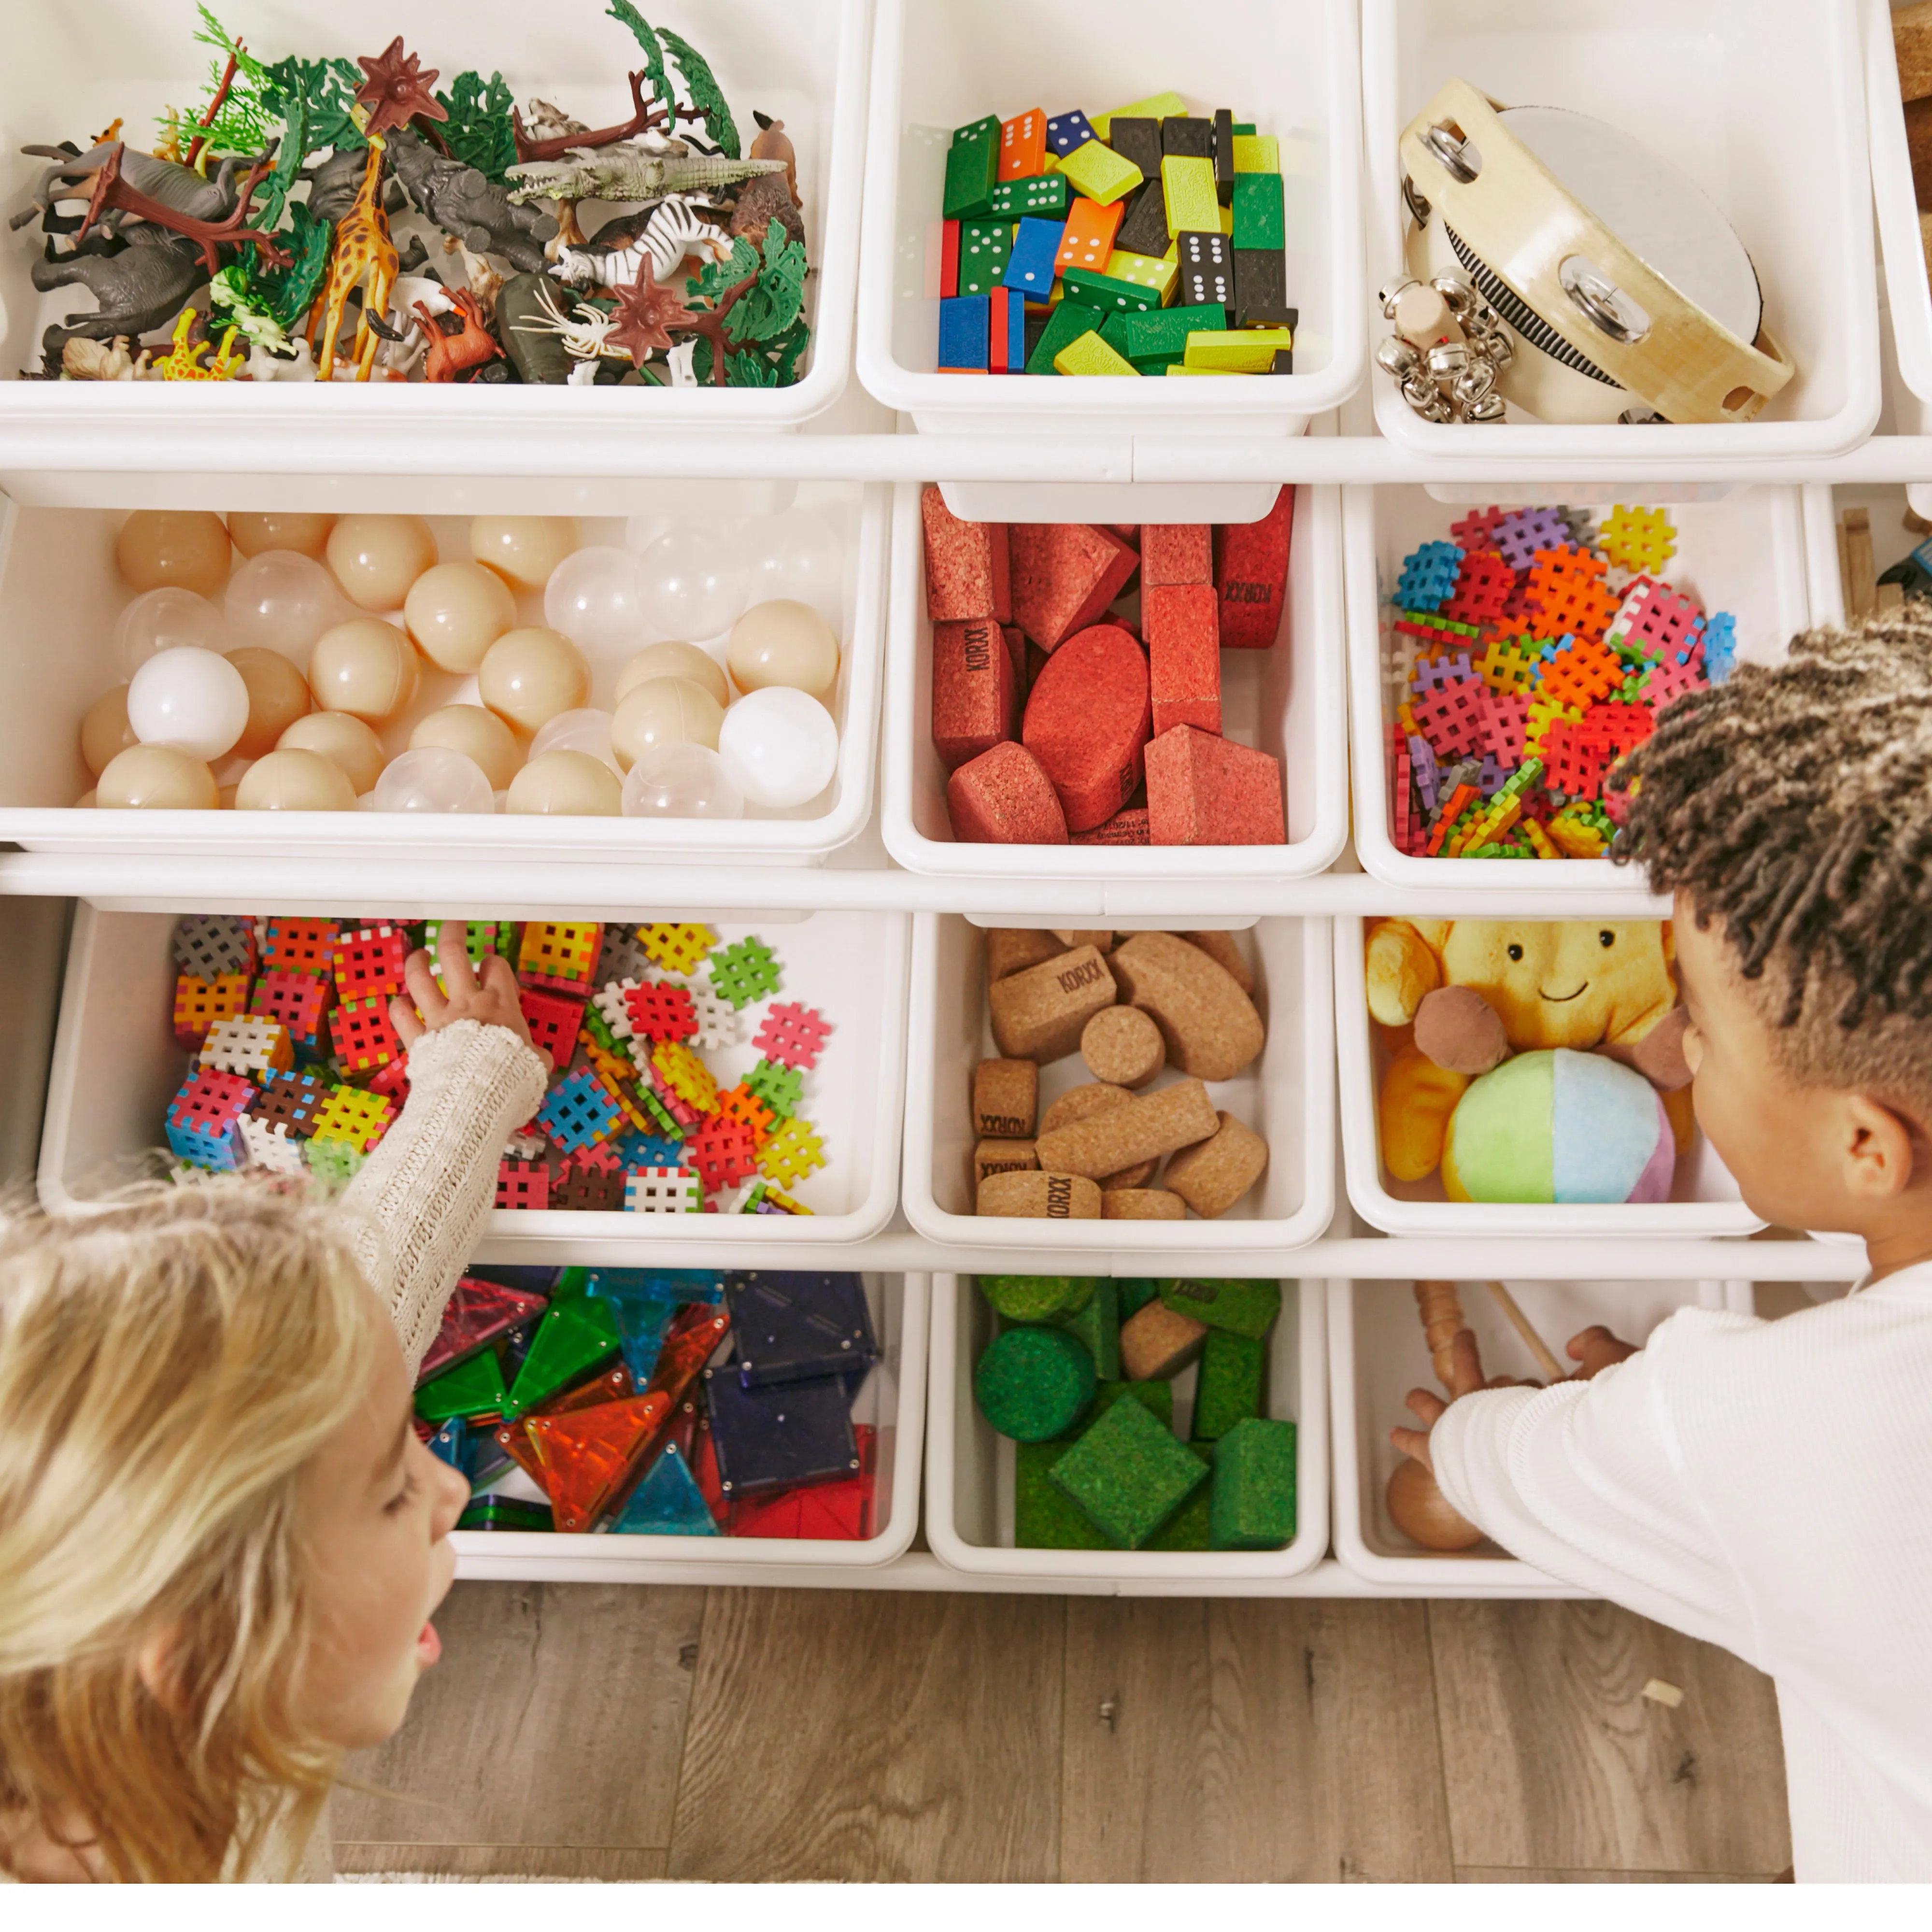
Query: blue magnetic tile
x=667, y=1502
x=778, y=1438
x=793, y=1327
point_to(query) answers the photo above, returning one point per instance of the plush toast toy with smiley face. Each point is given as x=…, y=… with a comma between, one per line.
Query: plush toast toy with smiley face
x=1457, y=997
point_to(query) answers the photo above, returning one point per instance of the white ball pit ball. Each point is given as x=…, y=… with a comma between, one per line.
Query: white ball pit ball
x=780, y=747
x=193, y=699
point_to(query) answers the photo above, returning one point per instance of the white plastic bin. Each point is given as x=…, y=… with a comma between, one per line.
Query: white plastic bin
x=69, y=74
x=1286, y=701
x=1744, y=552
x=1886, y=504
x=1703, y=1202
x=1908, y=294
x=1290, y=68
x=60, y=596
x=1692, y=83
x=1377, y=1354
x=117, y=1065
x=1286, y=1096
x=892, y=1401
x=969, y=1491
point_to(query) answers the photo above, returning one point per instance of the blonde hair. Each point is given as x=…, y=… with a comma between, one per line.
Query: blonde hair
x=167, y=1368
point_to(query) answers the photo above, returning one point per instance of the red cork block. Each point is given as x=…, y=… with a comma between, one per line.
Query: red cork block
x=966, y=574
x=974, y=698
x=1125, y=828
x=1176, y=553
x=1016, y=649
x=1003, y=797
x=1064, y=576
x=1251, y=573
x=1203, y=789
x=1182, y=625
x=1088, y=718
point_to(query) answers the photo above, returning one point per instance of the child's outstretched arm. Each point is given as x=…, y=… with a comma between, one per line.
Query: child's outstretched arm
x=474, y=1078
x=1586, y=1479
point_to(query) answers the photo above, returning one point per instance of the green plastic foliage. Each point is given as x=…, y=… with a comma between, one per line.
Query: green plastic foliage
x=478, y=130
x=654, y=58
x=703, y=94
x=288, y=293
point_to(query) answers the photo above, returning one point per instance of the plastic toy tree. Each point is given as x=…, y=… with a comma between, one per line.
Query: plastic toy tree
x=479, y=132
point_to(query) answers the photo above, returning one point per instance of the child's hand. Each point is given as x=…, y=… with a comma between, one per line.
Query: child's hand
x=1465, y=1378
x=1595, y=1350
x=492, y=999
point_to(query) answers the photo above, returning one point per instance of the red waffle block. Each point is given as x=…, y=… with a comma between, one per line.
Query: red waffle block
x=1003, y=797
x=370, y=961
x=1088, y=718
x=392, y=1081
x=1176, y=554
x=973, y=700
x=1503, y=720
x=1125, y=828
x=965, y=566
x=301, y=1001
x=1203, y=789
x=299, y=946
x=1182, y=625
x=1251, y=573
x=1617, y=727
x=523, y=1184
x=554, y=1019
x=1064, y=576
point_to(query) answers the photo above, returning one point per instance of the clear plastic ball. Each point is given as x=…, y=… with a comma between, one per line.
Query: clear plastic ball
x=800, y=554
x=682, y=781
x=287, y=781
x=254, y=531
x=434, y=779
x=157, y=778
x=282, y=601
x=193, y=699
x=165, y=620
x=567, y=784
x=780, y=747
x=664, y=711
x=585, y=731
x=695, y=582
x=596, y=597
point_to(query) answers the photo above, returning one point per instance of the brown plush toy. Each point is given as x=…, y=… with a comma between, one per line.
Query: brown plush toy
x=1458, y=997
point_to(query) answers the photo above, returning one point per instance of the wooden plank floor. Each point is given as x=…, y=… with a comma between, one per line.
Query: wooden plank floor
x=578, y=1731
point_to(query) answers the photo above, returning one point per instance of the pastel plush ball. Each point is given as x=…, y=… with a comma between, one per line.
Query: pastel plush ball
x=1559, y=1126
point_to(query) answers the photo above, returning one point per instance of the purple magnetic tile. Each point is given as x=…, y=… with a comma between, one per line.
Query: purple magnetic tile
x=792, y=1327
x=780, y=1438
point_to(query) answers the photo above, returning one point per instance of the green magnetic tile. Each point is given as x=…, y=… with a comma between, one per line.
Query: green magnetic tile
x=571, y=1337
x=471, y=1388
x=1129, y=1473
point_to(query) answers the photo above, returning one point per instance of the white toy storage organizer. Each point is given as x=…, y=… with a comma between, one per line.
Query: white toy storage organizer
x=867, y=81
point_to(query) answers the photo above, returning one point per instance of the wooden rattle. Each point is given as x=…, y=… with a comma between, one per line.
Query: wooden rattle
x=1416, y=1504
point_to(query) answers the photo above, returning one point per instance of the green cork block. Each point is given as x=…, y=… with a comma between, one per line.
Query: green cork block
x=1037, y=1297
x=1228, y=1388
x=1129, y=1474
x=1253, y=1496
x=1098, y=1324
x=1033, y=1383
x=1069, y=321
x=1043, y=1518
x=1243, y=1306
x=1156, y=1398
x=1189, y=1527
x=1135, y=1292
x=972, y=167
x=471, y=1388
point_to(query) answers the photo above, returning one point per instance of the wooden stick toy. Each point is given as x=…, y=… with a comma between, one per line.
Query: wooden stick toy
x=1545, y=1359
x=1416, y=1504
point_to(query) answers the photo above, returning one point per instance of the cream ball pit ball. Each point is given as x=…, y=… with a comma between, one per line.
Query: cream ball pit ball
x=302, y=531
x=157, y=778
x=347, y=742
x=105, y=732
x=674, y=658
x=278, y=695
x=367, y=667
x=478, y=732
x=783, y=642
x=375, y=559
x=523, y=551
x=528, y=676
x=294, y=781
x=455, y=612
x=567, y=784
x=664, y=711
x=187, y=548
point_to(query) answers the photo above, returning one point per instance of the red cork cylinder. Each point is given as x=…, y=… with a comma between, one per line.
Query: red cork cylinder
x=1251, y=573
x=1176, y=553
x=974, y=701
x=1203, y=789
x=1182, y=625
x=1064, y=576
x=1088, y=718
x=966, y=572
x=1125, y=828
x=1004, y=798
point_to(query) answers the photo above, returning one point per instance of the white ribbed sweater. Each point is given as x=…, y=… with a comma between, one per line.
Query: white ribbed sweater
x=1766, y=1486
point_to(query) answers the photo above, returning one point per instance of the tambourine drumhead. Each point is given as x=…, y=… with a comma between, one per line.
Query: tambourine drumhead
x=1650, y=205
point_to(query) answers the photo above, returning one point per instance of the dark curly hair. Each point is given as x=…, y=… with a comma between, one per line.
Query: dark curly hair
x=1794, y=804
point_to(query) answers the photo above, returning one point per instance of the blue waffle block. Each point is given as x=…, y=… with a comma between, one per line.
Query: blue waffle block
x=578, y=1111
x=1720, y=646
x=1428, y=577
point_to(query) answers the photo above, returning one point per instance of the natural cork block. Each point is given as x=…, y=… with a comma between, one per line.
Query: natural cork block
x=1122, y=1046
x=997, y=1157
x=1040, y=1014
x=1082, y=1103
x=1141, y=1204
x=1128, y=1473
x=1210, y=1026
x=1006, y=1098
x=1156, y=1342
x=1033, y=1383
x=1142, y=1129
x=1211, y=1176
x=1101, y=942
x=1242, y=1306
x=1226, y=951
x=1040, y=1197
x=1012, y=948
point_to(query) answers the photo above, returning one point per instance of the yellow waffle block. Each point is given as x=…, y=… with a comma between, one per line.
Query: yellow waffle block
x=1088, y=355
x=1543, y=714
x=1539, y=838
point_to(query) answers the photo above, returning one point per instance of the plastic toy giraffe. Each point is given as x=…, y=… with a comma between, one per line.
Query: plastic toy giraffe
x=362, y=247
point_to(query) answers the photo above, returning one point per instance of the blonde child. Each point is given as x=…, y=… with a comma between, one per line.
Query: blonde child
x=221, y=1540
x=1763, y=1485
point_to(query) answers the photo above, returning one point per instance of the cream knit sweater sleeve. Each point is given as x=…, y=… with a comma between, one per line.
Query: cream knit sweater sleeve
x=419, y=1200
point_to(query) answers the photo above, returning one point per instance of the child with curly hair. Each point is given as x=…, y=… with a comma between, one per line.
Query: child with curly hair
x=221, y=1541
x=1761, y=1485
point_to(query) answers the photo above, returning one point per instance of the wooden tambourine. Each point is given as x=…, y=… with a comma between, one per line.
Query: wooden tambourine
x=1646, y=297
